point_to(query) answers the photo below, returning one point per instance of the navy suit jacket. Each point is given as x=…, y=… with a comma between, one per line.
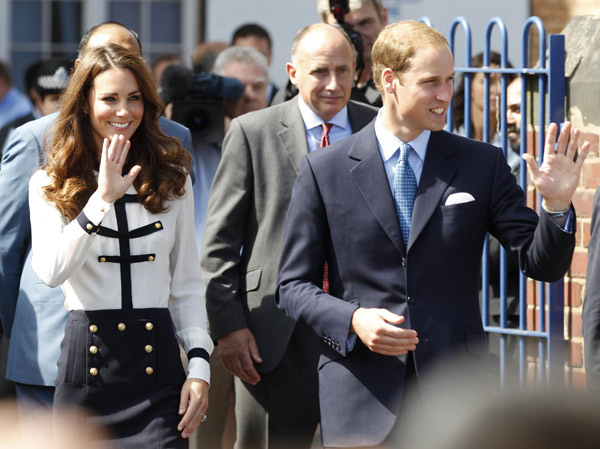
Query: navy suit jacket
x=342, y=210
x=33, y=315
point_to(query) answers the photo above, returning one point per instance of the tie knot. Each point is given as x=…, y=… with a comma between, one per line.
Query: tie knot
x=404, y=152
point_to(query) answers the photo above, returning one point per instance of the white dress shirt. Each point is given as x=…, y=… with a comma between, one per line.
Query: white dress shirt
x=65, y=254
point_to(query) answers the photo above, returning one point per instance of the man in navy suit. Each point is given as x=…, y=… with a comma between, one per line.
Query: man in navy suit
x=33, y=315
x=404, y=284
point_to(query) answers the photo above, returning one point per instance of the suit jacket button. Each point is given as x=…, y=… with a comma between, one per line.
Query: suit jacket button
x=94, y=371
x=93, y=328
x=94, y=349
x=148, y=348
x=149, y=370
x=403, y=262
x=121, y=326
x=149, y=326
x=411, y=300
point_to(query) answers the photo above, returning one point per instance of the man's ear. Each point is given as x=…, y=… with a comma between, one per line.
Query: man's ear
x=388, y=77
x=384, y=16
x=291, y=71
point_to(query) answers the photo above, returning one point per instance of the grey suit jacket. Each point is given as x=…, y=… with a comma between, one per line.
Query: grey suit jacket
x=243, y=235
x=33, y=315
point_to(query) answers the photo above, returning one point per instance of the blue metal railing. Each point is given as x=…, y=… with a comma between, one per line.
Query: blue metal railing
x=551, y=89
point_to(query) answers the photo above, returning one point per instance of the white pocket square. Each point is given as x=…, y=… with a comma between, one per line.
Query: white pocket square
x=459, y=198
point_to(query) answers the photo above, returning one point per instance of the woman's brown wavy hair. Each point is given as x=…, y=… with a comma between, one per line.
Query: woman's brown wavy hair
x=73, y=155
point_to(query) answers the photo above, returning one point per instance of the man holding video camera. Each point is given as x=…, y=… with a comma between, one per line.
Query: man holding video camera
x=367, y=18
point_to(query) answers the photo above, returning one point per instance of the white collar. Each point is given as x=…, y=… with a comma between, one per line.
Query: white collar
x=389, y=143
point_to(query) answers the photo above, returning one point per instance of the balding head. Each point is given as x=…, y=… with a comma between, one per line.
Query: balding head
x=322, y=68
x=315, y=34
x=110, y=33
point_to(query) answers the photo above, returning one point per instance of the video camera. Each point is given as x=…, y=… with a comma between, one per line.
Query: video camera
x=339, y=8
x=197, y=99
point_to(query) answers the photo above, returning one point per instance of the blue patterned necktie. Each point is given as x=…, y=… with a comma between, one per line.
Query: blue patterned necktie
x=405, y=190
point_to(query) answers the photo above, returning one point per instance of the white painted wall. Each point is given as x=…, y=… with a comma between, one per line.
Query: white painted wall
x=478, y=13
x=283, y=18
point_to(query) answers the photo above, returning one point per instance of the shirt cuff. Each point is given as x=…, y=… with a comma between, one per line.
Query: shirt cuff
x=351, y=342
x=96, y=209
x=564, y=220
x=198, y=368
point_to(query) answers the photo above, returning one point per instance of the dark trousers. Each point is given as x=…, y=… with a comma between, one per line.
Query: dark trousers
x=282, y=410
x=7, y=387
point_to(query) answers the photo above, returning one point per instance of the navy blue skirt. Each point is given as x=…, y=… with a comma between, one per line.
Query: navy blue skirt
x=124, y=368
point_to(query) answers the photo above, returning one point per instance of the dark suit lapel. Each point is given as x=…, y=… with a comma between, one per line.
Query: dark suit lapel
x=292, y=132
x=438, y=170
x=357, y=120
x=371, y=180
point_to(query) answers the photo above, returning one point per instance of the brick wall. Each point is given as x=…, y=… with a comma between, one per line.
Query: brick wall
x=556, y=14
x=575, y=280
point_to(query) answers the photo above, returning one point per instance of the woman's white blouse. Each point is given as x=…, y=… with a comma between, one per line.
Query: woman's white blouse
x=65, y=254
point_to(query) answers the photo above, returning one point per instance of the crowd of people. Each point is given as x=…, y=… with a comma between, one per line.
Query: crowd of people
x=245, y=291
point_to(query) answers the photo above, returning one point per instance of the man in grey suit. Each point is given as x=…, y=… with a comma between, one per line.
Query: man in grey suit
x=274, y=359
x=33, y=315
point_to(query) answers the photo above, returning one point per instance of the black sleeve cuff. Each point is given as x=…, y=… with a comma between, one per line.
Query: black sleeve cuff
x=86, y=224
x=199, y=352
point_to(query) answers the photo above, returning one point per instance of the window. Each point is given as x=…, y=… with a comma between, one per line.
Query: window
x=42, y=29
x=158, y=23
x=36, y=29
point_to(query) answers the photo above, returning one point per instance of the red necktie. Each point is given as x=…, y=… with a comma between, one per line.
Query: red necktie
x=325, y=143
x=325, y=135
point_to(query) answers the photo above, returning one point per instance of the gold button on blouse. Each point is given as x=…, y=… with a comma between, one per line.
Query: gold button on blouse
x=93, y=328
x=89, y=226
x=149, y=326
x=94, y=349
x=121, y=326
x=149, y=370
x=103, y=259
x=157, y=225
x=148, y=348
x=151, y=258
x=94, y=371
x=101, y=209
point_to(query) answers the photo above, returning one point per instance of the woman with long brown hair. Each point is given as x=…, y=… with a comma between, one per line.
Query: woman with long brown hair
x=112, y=224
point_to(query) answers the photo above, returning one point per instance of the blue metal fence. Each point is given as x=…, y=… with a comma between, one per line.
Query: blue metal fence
x=549, y=303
